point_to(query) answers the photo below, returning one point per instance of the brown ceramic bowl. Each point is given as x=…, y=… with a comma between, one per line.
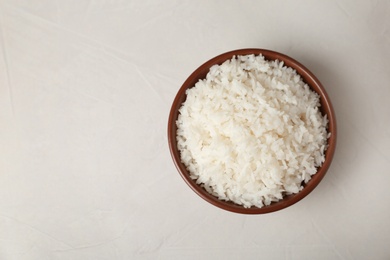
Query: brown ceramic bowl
x=326, y=108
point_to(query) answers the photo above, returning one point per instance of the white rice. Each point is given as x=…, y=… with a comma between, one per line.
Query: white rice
x=251, y=132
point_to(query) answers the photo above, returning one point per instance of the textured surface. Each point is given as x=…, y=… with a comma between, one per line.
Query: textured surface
x=85, y=92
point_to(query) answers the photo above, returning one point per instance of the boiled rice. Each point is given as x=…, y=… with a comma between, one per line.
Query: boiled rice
x=251, y=132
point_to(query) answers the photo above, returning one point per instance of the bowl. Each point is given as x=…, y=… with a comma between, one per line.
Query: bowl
x=326, y=109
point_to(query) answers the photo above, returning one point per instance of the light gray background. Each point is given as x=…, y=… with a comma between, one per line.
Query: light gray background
x=85, y=92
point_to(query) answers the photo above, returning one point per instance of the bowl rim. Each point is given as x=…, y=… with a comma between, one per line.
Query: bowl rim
x=326, y=108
